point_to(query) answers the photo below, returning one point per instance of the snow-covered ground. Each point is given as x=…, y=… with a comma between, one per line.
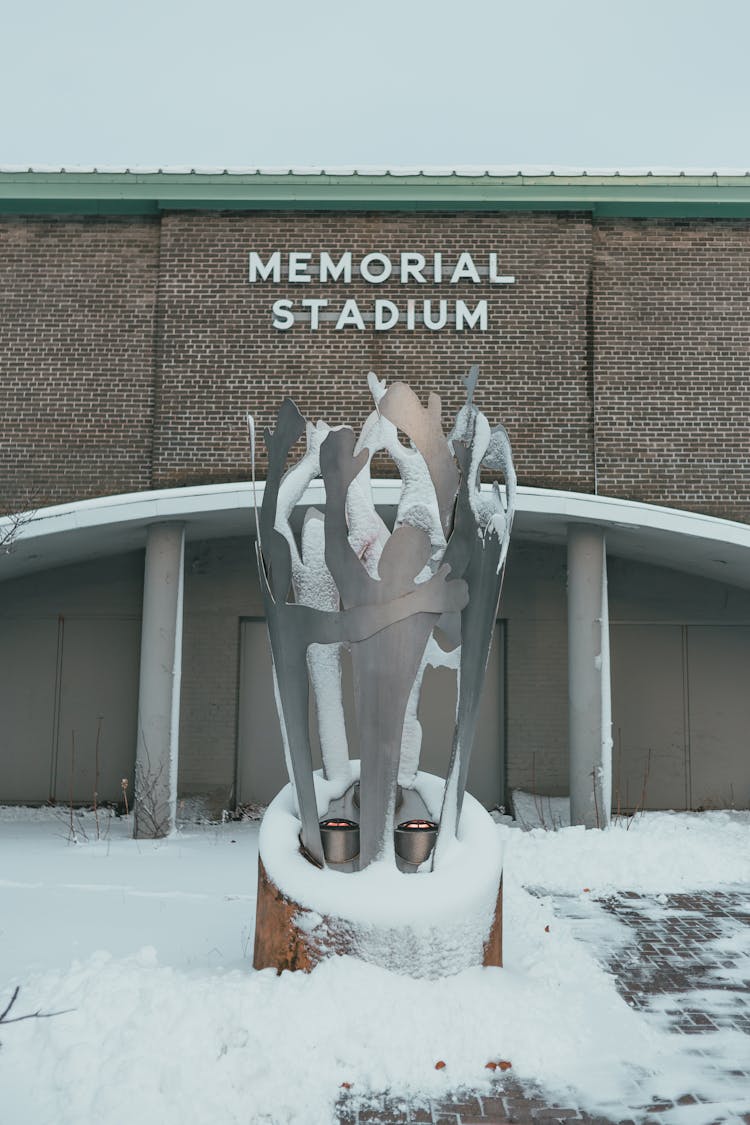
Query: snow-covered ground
x=146, y=948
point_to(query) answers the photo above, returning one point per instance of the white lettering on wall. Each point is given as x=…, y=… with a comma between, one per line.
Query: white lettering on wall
x=477, y=317
x=383, y=268
x=408, y=267
x=272, y=268
x=411, y=313
x=283, y=317
x=314, y=304
x=332, y=271
x=298, y=265
x=350, y=315
x=465, y=270
x=411, y=268
x=435, y=324
x=497, y=278
x=386, y=316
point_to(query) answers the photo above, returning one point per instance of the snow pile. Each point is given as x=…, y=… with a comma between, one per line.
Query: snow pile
x=653, y=852
x=242, y=1047
x=170, y=1024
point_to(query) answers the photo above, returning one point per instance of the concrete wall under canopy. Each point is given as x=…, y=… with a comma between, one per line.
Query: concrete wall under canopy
x=69, y=654
x=681, y=716
x=68, y=678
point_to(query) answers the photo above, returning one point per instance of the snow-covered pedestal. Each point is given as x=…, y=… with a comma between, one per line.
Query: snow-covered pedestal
x=431, y=923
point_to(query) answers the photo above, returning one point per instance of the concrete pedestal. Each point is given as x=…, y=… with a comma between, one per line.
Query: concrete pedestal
x=289, y=936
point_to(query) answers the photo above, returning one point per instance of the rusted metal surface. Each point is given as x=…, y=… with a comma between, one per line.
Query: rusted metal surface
x=493, y=947
x=283, y=941
x=279, y=944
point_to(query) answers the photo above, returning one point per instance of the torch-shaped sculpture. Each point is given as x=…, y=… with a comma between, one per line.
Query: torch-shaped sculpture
x=425, y=593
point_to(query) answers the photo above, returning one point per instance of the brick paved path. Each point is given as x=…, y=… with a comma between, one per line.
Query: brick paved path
x=669, y=959
x=685, y=966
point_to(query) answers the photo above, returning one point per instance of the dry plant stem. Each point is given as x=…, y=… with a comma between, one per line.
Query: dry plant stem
x=642, y=803
x=16, y=521
x=72, y=772
x=96, y=774
x=151, y=816
x=596, y=799
x=13, y=999
x=646, y=774
x=538, y=802
x=38, y=1015
x=619, y=770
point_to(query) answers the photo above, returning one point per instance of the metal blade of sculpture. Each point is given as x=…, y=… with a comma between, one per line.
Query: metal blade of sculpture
x=425, y=593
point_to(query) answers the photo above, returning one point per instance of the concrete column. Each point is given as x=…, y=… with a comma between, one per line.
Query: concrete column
x=159, y=687
x=589, y=690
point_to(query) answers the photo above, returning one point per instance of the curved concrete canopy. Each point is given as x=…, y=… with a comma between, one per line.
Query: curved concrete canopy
x=57, y=536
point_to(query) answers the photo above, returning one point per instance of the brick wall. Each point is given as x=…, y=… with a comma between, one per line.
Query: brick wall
x=220, y=356
x=672, y=357
x=130, y=350
x=77, y=304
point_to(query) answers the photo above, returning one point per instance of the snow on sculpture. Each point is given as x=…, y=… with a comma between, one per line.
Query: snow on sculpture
x=425, y=593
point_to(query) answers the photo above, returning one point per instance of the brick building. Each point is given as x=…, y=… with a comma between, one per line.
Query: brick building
x=143, y=314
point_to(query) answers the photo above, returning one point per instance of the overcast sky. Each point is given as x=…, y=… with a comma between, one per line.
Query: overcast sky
x=392, y=82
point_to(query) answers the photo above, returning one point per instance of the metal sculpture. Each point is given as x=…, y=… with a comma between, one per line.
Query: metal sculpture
x=425, y=593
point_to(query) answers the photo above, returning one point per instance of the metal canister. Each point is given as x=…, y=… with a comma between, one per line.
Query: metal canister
x=340, y=839
x=415, y=839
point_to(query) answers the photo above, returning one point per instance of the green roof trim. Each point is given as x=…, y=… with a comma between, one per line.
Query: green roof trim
x=150, y=193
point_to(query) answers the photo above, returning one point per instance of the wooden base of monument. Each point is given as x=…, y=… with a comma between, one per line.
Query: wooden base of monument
x=283, y=940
